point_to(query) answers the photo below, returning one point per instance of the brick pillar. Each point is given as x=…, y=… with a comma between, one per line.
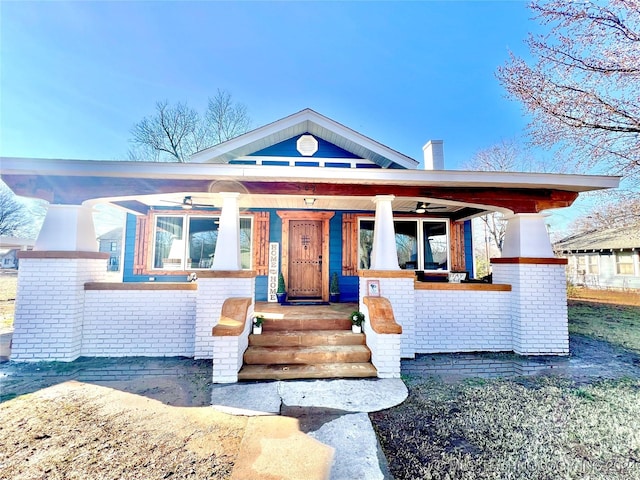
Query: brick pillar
x=539, y=290
x=50, y=303
x=539, y=303
x=398, y=287
x=214, y=287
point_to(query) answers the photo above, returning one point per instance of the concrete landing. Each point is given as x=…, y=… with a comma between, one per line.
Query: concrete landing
x=286, y=416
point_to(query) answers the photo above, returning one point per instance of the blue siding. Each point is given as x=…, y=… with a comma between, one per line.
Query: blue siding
x=288, y=148
x=348, y=285
x=129, y=247
x=468, y=248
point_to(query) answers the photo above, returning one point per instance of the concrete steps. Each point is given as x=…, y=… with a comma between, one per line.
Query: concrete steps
x=297, y=346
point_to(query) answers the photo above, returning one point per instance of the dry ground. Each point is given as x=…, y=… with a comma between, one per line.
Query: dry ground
x=528, y=428
x=618, y=297
x=81, y=431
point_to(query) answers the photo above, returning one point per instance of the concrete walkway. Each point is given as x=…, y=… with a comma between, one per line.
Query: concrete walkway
x=332, y=412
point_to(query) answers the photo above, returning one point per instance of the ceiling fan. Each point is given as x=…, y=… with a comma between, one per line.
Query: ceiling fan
x=423, y=207
x=187, y=203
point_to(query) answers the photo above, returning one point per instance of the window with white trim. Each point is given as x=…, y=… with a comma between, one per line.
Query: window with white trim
x=421, y=244
x=593, y=264
x=187, y=242
x=624, y=263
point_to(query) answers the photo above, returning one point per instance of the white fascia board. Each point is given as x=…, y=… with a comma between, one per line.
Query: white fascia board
x=433, y=178
x=299, y=123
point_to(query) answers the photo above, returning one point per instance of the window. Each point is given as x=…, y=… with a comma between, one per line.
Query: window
x=624, y=263
x=420, y=244
x=114, y=246
x=189, y=242
x=593, y=265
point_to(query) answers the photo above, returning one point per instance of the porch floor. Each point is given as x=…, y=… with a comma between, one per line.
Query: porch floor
x=273, y=310
x=306, y=341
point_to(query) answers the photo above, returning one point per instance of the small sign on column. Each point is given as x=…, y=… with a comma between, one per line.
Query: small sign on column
x=274, y=263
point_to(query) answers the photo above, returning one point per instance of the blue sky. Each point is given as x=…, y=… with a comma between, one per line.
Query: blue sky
x=76, y=76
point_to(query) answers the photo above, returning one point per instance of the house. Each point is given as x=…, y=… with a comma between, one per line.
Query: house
x=111, y=242
x=9, y=248
x=307, y=197
x=608, y=258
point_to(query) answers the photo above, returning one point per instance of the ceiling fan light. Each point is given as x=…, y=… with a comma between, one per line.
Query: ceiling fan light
x=187, y=203
x=421, y=207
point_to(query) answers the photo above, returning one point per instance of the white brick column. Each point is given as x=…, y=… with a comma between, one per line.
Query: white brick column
x=539, y=291
x=539, y=304
x=50, y=303
x=398, y=287
x=213, y=288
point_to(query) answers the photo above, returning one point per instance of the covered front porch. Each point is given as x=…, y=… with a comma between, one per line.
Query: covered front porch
x=305, y=197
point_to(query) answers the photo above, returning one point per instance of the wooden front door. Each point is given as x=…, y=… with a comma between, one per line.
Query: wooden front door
x=305, y=259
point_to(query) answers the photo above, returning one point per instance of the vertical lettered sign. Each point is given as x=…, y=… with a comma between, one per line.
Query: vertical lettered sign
x=274, y=254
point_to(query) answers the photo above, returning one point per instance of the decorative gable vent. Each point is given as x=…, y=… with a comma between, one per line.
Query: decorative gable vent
x=307, y=145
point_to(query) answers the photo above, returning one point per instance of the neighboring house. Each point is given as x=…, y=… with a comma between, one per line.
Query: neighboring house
x=603, y=258
x=9, y=259
x=306, y=197
x=9, y=248
x=111, y=243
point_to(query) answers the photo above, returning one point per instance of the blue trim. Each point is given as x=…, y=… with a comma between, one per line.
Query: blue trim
x=468, y=248
x=337, y=164
x=242, y=162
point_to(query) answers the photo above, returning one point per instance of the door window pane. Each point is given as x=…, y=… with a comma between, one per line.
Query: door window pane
x=407, y=244
x=436, y=246
x=203, y=234
x=365, y=243
x=169, y=243
x=245, y=243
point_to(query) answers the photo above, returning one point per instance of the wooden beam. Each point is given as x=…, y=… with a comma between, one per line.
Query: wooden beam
x=75, y=190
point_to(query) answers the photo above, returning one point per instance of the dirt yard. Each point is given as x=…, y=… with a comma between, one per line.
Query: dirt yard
x=80, y=430
x=618, y=297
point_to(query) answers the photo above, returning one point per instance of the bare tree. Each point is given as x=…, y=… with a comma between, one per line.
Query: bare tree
x=175, y=132
x=14, y=216
x=225, y=119
x=583, y=87
x=621, y=212
x=505, y=156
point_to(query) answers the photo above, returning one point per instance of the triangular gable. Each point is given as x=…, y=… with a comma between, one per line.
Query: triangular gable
x=305, y=121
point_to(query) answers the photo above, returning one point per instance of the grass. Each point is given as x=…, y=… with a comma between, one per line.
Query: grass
x=537, y=428
x=615, y=324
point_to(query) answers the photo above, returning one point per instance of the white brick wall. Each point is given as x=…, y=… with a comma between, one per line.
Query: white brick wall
x=462, y=321
x=212, y=292
x=538, y=307
x=385, y=349
x=157, y=323
x=228, y=354
x=400, y=293
x=49, y=307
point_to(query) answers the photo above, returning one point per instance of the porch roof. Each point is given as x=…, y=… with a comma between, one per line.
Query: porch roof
x=87, y=181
